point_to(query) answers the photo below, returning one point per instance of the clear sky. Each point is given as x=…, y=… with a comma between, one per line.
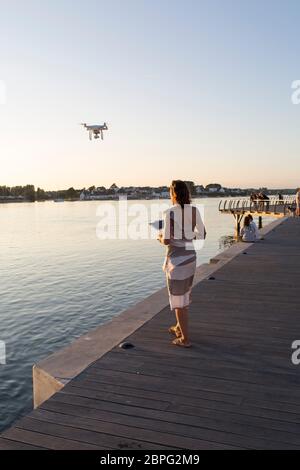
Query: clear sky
x=197, y=90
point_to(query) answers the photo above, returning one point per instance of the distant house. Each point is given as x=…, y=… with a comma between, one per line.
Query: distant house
x=199, y=189
x=85, y=195
x=213, y=188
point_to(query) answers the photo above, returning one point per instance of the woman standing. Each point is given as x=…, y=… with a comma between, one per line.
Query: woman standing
x=182, y=225
x=298, y=202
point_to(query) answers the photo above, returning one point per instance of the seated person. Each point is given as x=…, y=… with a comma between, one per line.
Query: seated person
x=248, y=231
x=254, y=226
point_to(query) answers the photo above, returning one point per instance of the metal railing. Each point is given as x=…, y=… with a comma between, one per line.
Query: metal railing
x=273, y=205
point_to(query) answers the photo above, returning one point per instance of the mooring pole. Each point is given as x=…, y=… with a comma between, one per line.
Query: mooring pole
x=260, y=222
x=238, y=218
x=238, y=227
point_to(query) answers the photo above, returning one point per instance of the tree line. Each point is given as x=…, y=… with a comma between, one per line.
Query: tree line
x=26, y=192
x=30, y=194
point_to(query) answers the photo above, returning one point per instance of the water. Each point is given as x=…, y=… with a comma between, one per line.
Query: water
x=58, y=280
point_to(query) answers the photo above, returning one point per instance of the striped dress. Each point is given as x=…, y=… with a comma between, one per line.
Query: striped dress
x=181, y=227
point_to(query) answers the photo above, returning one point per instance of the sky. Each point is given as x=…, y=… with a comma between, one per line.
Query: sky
x=195, y=90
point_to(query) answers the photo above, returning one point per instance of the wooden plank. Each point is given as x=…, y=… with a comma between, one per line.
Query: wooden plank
x=127, y=426
x=7, y=444
x=260, y=375
x=269, y=410
x=235, y=414
x=185, y=426
x=89, y=432
x=117, y=398
x=43, y=440
x=210, y=437
x=229, y=386
x=116, y=435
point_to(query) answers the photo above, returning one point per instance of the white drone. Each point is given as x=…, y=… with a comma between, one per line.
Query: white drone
x=95, y=130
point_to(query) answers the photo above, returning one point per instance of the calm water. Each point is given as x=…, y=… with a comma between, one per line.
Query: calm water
x=58, y=280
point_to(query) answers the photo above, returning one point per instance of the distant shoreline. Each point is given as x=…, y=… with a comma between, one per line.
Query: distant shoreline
x=29, y=193
x=116, y=197
x=13, y=201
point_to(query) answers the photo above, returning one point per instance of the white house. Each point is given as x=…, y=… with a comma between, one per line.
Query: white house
x=199, y=189
x=84, y=195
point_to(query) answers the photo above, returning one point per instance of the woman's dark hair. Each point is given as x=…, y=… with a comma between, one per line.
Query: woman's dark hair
x=181, y=192
x=250, y=217
x=246, y=221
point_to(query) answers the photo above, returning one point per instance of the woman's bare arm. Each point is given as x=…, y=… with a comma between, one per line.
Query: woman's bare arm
x=165, y=238
x=162, y=240
x=196, y=218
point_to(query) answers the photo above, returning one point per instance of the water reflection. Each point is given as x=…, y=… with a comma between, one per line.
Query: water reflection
x=226, y=241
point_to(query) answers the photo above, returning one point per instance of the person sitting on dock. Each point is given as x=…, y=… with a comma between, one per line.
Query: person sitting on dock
x=264, y=205
x=253, y=224
x=248, y=232
x=253, y=199
x=267, y=201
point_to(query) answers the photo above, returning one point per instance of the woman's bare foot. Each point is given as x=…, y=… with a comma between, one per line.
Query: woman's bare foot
x=181, y=342
x=175, y=330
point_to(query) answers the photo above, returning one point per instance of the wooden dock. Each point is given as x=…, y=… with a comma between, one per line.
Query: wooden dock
x=272, y=207
x=236, y=388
